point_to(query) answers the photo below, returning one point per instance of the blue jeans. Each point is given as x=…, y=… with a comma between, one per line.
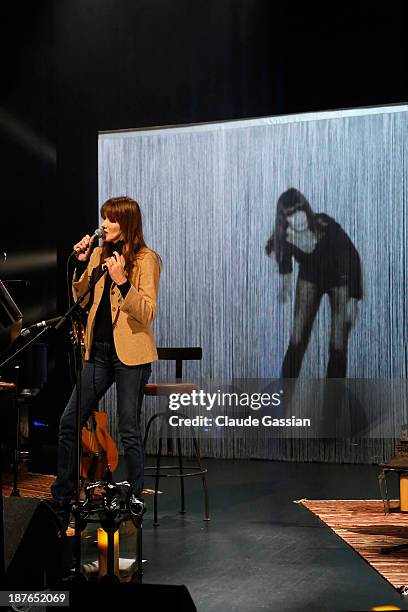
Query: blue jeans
x=97, y=376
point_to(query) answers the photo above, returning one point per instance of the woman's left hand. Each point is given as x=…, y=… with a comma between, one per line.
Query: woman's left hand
x=116, y=268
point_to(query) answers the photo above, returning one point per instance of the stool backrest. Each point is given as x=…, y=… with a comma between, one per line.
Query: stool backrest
x=180, y=354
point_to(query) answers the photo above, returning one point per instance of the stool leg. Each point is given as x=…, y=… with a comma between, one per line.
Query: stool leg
x=149, y=424
x=203, y=479
x=383, y=491
x=156, y=482
x=180, y=460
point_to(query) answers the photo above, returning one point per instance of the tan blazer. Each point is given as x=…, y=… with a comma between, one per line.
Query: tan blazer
x=132, y=316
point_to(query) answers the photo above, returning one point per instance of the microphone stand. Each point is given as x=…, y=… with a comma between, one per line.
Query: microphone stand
x=78, y=363
x=16, y=405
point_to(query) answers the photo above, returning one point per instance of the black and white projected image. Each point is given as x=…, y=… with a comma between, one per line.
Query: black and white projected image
x=325, y=194
x=328, y=264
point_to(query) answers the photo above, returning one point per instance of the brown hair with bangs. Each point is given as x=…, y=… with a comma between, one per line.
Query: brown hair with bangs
x=126, y=212
x=289, y=202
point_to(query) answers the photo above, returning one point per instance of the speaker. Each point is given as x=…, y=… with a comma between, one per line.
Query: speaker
x=36, y=550
x=160, y=597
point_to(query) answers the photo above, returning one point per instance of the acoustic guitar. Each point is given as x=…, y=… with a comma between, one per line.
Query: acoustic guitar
x=98, y=447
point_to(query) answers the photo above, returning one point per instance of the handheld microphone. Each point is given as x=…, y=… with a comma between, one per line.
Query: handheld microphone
x=27, y=330
x=98, y=233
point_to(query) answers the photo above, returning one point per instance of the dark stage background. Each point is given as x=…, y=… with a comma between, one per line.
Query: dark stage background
x=74, y=67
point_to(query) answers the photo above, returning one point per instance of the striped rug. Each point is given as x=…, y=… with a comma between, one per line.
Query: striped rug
x=364, y=526
x=29, y=484
x=37, y=485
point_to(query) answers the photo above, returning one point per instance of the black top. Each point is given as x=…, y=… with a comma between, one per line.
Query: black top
x=334, y=262
x=103, y=331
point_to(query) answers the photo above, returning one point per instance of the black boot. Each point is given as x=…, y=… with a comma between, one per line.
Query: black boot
x=293, y=360
x=290, y=371
x=337, y=366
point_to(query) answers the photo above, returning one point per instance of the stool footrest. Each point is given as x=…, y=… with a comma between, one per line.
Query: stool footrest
x=199, y=472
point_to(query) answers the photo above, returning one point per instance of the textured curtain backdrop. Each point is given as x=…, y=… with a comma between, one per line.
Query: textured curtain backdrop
x=208, y=195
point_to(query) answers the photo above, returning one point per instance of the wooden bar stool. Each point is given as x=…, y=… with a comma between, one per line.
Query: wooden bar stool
x=397, y=465
x=166, y=471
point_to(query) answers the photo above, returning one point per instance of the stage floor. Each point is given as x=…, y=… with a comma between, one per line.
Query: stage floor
x=261, y=551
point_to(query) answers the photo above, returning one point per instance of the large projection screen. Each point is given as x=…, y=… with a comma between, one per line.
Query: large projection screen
x=209, y=197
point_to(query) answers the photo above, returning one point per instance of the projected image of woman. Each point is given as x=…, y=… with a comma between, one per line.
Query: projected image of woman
x=328, y=263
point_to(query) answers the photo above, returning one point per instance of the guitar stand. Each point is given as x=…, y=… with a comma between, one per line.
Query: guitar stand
x=110, y=511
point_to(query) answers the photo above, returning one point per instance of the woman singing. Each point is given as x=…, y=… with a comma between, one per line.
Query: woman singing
x=119, y=344
x=328, y=263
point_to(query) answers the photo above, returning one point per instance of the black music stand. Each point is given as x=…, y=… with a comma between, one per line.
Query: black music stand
x=11, y=319
x=10, y=326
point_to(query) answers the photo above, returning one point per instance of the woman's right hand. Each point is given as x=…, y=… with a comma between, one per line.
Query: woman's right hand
x=83, y=248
